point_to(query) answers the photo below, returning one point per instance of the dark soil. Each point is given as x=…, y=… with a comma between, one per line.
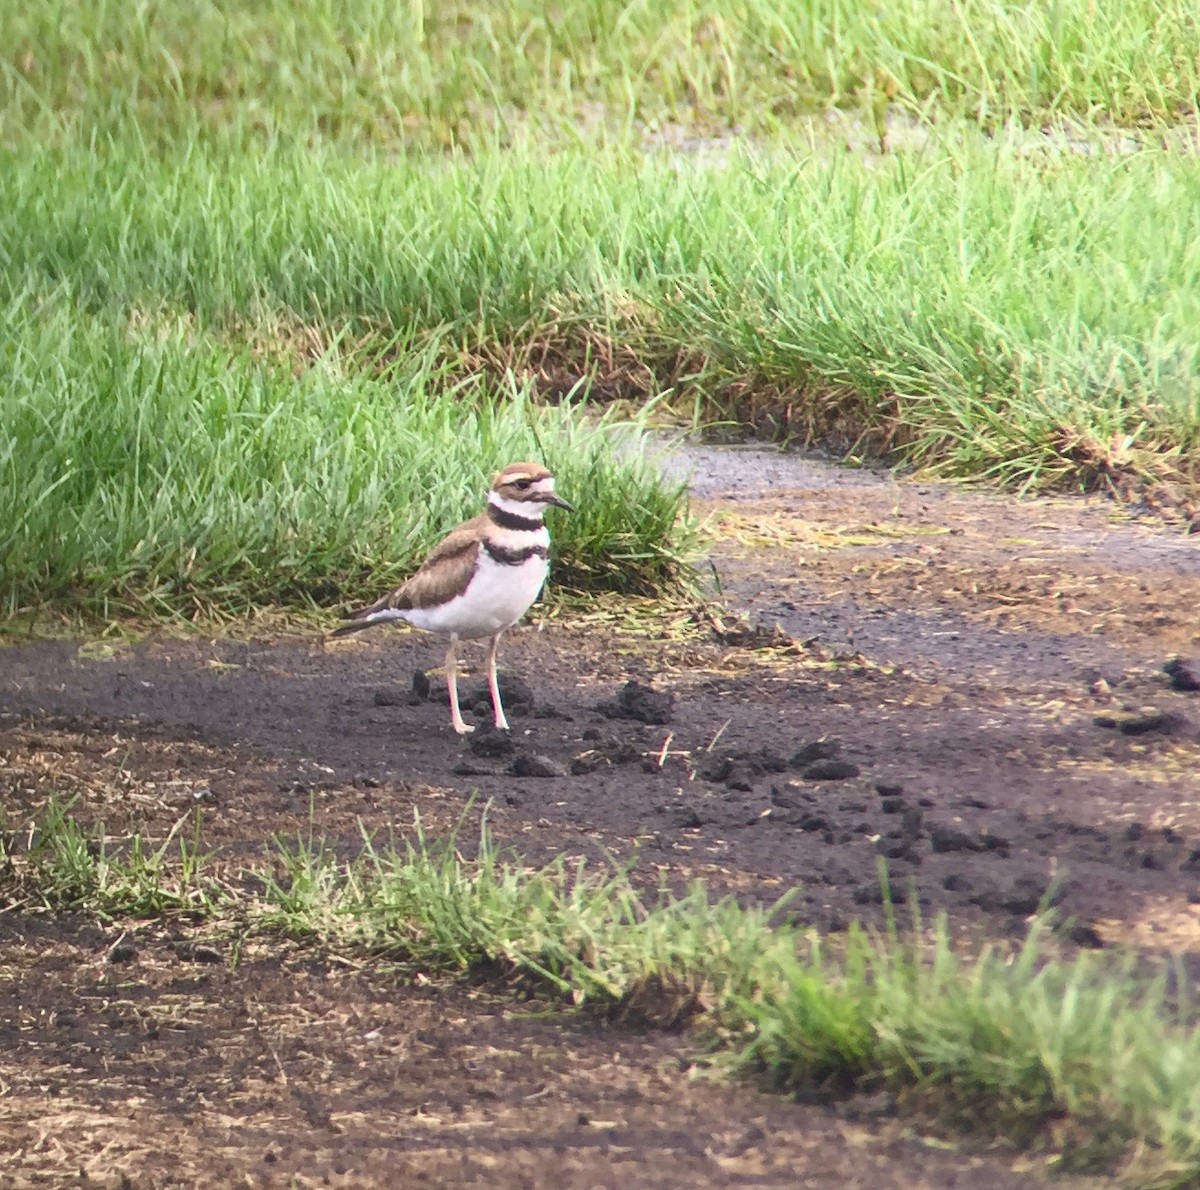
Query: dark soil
x=297, y=1071
x=998, y=697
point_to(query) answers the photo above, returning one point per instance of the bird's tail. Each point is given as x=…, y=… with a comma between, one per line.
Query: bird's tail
x=368, y=617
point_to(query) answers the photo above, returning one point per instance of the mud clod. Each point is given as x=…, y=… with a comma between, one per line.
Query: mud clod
x=807, y=754
x=786, y=799
x=122, y=951
x=515, y=694
x=1024, y=896
x=197, y=952
x=734, y=772
x=640, y=703
x=1081, y=934
x=872, y=894
x=1137, y=722
x=390, y=696
x=715, y=768
x=420, y=685
x=492, y=744
x=605, y=753
x=535, y=764
x=950, y=838
x=1182, y=675
x=830, y=770
x=896, y=846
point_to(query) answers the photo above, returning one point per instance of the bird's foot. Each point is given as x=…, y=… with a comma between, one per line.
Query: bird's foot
x=462, y=728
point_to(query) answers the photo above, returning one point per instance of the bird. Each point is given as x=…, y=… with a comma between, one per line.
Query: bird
x=480, y=579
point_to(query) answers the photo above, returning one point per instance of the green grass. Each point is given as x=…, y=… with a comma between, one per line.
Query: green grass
x=234, y=381
x=254, y=328
x=420, y=74
x=157, y=471
x=1078, y=1054
x=63, y=864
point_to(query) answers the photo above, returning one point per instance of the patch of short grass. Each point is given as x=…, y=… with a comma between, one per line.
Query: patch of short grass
x=430, y=75
x=167, y=474
x=1078, y=1053
x=59, y=863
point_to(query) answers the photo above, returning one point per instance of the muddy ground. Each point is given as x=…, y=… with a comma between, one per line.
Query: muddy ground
x=970, y=685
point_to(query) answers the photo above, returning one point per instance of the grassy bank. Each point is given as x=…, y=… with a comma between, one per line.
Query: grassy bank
x=1014, y=1047
x=245, y=304
x=429, y=75
x=226, y=379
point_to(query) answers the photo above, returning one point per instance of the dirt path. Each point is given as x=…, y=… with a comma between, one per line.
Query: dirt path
x=984, y=703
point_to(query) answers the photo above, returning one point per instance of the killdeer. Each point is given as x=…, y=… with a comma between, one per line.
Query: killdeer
x=480, y=579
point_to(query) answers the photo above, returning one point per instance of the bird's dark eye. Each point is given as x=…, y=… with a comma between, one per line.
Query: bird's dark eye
x=523, y=484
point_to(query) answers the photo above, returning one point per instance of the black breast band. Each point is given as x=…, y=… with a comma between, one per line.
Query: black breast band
x=508, y=557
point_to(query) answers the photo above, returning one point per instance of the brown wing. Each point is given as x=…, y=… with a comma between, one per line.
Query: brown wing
x=442, y=575
x=447, y=570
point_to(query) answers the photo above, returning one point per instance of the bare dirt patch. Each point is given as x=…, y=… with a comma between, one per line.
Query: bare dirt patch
x=298, y=1070
x=981, y=700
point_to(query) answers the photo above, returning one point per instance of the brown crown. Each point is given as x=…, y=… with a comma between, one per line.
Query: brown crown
x=516, y=471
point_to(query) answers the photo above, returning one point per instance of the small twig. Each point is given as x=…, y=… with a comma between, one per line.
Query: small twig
x=282, y=1072
x=720, y=732
x=662, y=756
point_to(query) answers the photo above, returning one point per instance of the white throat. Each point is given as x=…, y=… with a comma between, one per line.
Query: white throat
x=526, y=510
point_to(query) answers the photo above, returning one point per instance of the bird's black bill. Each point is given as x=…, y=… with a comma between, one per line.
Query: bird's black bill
x=558, y=502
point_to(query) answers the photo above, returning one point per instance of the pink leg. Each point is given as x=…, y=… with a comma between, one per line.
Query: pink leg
x=456, y=719
x=494, y=684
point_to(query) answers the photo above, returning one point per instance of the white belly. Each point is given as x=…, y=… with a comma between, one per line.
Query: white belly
x=498, y=596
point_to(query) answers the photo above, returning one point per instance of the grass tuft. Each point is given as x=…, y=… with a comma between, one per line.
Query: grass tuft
x=170, y=476
x=64, y=865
